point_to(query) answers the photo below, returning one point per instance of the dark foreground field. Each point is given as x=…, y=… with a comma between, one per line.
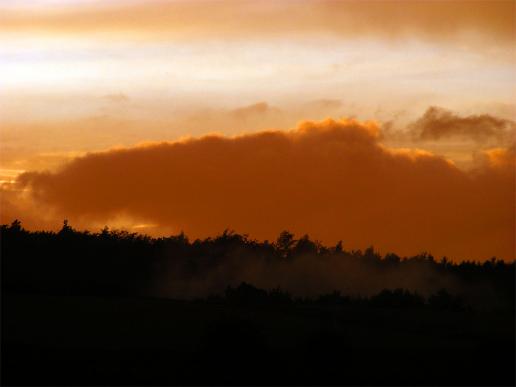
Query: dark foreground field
x=113, y=308
x=59, y=340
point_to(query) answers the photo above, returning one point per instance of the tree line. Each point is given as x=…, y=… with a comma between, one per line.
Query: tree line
x=117, y=262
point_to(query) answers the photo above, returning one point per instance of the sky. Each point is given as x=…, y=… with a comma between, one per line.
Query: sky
x=385, y=123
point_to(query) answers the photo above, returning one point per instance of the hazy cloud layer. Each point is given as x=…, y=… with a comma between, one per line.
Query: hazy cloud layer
x=463, y=21
x=331, y=179
x=257, y=109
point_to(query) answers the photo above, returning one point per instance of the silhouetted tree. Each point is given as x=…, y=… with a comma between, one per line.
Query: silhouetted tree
x=444, y=300
x=397, y=298
x=304, y=246
x=284, y=243
x=246, y=295
x=338, y=247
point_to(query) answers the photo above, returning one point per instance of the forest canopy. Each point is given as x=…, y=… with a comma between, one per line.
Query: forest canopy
x=122, y=263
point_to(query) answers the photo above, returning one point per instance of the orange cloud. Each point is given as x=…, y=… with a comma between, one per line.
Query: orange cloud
x=501, y=158
x=331, y=179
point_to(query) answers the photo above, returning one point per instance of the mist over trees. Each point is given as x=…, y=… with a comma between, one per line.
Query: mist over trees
x=113, y=262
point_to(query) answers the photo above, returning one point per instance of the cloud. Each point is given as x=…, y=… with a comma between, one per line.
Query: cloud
x=457, y=21
x=331, y=179
x=501, y=158
x=438, y=123
x=257, y=109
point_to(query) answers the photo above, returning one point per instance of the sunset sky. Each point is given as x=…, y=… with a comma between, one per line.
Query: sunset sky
x=385, y=123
